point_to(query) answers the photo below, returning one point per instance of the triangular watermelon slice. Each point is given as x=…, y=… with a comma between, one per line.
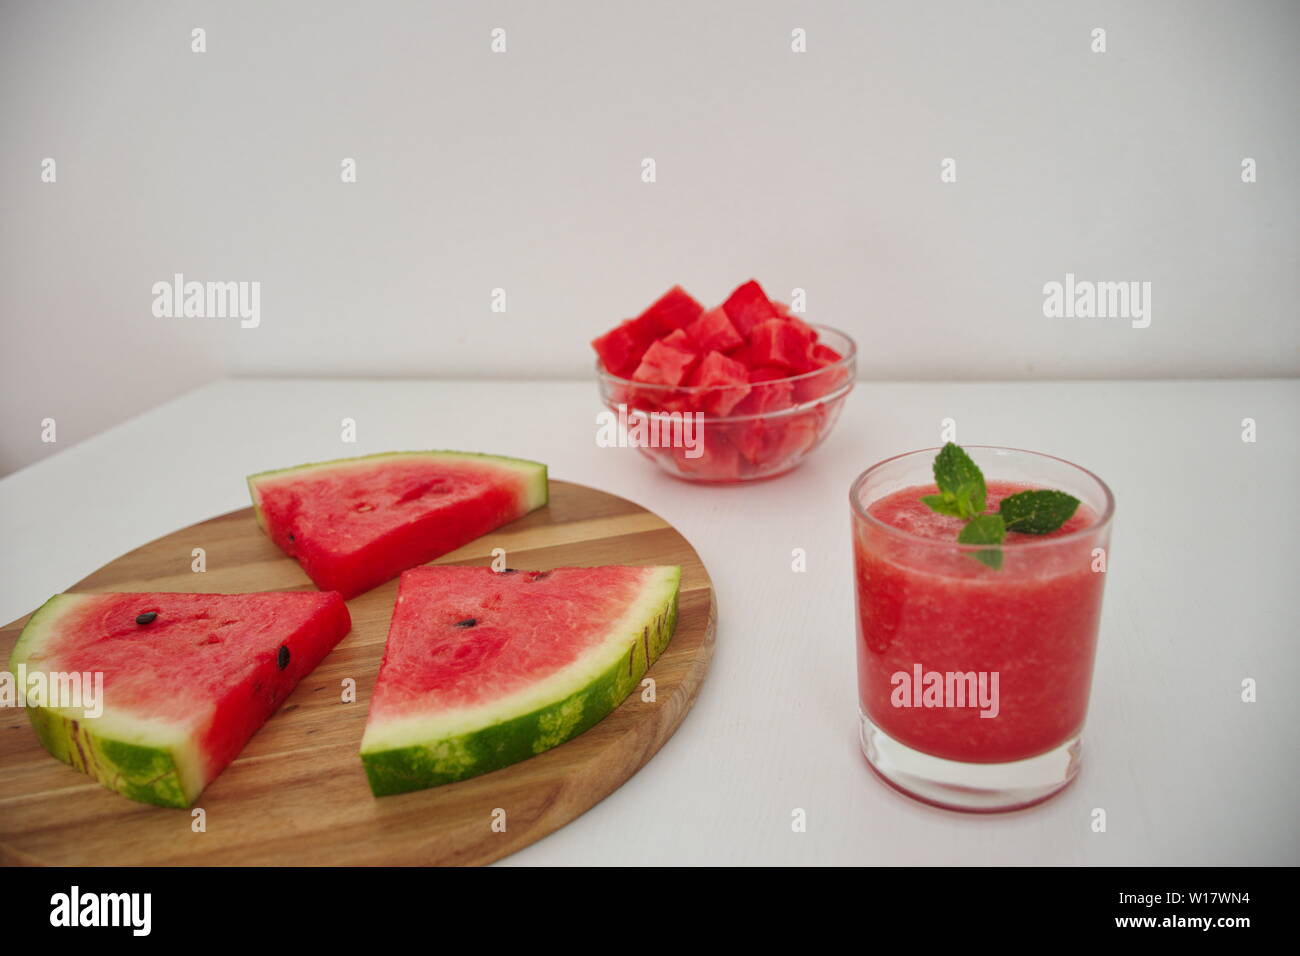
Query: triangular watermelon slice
x=187, y=679
x=484, y=669
x=355, y=523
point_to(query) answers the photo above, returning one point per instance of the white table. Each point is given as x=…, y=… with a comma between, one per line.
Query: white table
x=1202, y=593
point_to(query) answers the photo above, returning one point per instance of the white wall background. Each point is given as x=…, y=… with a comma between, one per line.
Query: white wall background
x=522, y=171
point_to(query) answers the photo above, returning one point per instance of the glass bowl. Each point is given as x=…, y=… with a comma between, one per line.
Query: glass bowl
x=767, y=430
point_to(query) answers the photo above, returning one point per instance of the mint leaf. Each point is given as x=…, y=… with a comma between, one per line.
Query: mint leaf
x=970, y=499
x=1038, y=511
x=944, y=504
x=985, y=529
x=957, y=475
x=963, y=494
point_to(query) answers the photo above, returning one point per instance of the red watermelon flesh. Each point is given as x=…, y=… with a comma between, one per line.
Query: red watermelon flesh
x=621, y=348
x=663, y=365
x=713, y=331
x=662, y=369
x=772, y=442
x=744, y=355
x=768, y=373
x=188, y=679
x=786, y=343
x=675, y=309
x=825, y=380
x=748, y=438
x=748, y=307
x=798, y=433
x=719, y=459
x=727, y=381
x=770, y=391
x=823, y=355
x=355, y=523
x=682, y=342
x=671, y=400
x=483, y=669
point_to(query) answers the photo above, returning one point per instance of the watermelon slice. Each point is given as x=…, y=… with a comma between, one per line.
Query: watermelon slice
x=187, y=679
x=355, y=523
x=483, y=669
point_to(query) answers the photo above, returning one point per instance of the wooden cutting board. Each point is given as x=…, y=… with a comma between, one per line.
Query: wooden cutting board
x=297, y=794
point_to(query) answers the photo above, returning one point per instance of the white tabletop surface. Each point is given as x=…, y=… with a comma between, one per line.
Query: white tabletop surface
x=1201, y=594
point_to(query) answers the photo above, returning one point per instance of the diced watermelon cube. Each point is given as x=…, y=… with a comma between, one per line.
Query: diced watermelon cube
x=675, y=400
x=784, y=342
x=797, y=433
x=675, y=309
x=767, y=373
x=663, y=365
x=713, y=331
x=804, y=327
x=769, y=391
x=720, y=460
x=771, y=443
x=682, y=341
x=620, y=349
x=744, y=355
x=824, y=381
x=727, y=381
x=749, y=439
x=749, y=307
x=823, y=355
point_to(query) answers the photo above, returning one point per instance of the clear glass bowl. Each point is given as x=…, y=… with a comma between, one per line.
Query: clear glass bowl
x=768, y=432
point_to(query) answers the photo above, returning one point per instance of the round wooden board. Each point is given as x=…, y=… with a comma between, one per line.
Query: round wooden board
x=297, y=794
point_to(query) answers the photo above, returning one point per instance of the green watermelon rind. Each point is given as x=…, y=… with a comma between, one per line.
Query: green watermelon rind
x=118, y=754
x=580, y=702
x=538, y=488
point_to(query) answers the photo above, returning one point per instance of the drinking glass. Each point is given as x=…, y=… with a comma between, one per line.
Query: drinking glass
x=973, y=680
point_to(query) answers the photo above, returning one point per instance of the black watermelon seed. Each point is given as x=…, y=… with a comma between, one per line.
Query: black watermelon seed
x=292, y=538
x=148, y=617
x=283, y=659
x=468, y=622
x=510, y=571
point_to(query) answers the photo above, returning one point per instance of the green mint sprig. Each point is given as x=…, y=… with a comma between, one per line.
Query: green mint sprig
x=962, y=491
x=963, y=494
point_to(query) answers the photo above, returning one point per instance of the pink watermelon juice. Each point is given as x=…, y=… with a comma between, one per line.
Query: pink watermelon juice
x=926, y=606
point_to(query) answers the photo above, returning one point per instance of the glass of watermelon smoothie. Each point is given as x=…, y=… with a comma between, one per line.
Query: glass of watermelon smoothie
x=973, y=680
